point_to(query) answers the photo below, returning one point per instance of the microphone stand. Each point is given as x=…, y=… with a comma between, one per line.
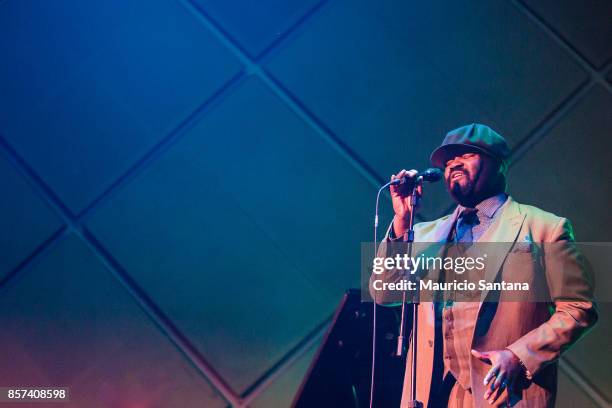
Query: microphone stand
x=401, y=341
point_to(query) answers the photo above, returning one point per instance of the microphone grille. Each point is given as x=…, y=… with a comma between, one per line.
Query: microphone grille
x=432, y=174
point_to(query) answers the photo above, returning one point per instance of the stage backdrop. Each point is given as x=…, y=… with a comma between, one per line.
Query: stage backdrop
x=185, y=184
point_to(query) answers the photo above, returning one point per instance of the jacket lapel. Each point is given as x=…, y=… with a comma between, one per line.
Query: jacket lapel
x=440, y=234
x=433, y=243
x=503, y=234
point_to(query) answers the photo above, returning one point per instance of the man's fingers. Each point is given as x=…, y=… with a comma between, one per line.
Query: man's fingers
x=476, y=353
x=484, y=356
x=494, y=385
x=490, y=375
x=392, y=188
x=403, y=190
x=399, y=175
x=501, y=377
x=404, y=173
x=497, y=392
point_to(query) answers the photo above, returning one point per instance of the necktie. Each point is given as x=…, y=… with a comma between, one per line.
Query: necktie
x=466, y=221
x=463, y=239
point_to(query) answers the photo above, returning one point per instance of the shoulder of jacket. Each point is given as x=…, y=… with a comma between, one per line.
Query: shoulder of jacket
x=427, y=225
x=536, y=214
x=550, y=226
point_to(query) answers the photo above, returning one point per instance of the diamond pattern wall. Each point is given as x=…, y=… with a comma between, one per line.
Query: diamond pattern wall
x=201, y=249
x=108, y=81
x=26, y=221
x=186, y=183
x=97, y=342
x=256, y=26
x=585, y=25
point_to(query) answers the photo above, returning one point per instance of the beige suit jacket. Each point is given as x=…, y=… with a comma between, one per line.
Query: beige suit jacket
x=537, y=332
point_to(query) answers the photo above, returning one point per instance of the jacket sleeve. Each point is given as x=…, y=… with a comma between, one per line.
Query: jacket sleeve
x=570, y=284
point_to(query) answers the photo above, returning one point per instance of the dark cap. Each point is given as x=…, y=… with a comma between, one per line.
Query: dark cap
x=471, y=138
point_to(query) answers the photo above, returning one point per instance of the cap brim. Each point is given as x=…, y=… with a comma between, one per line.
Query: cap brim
x=442, y=154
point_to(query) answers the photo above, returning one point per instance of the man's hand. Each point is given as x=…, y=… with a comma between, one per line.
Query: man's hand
x=400, y=197
x=506, y=369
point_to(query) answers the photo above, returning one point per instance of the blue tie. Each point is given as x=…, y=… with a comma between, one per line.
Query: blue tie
x=467, y=219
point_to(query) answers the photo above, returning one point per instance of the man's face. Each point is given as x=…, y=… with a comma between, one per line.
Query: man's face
x=461, y=173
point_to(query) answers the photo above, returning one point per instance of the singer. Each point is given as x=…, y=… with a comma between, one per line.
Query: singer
x=477, y=354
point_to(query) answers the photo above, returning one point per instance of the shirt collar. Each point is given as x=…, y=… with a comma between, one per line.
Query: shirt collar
x=489, y=206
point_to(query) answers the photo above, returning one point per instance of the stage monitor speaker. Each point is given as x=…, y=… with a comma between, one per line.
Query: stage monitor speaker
x=339, y=375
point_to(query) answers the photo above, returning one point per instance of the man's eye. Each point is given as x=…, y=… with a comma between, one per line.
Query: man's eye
x=468, y=155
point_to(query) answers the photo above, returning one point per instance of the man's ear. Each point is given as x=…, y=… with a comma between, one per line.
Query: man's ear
x=502, y=167
x=502, y=170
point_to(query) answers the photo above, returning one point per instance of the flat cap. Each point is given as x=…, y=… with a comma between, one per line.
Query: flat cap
x=475, y=138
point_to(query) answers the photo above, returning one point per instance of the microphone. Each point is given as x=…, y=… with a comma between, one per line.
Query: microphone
x=430, y=175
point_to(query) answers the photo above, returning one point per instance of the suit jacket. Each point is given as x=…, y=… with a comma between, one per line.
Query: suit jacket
x=537, y=332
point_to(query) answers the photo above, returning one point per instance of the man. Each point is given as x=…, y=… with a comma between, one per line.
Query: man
x=502, y=353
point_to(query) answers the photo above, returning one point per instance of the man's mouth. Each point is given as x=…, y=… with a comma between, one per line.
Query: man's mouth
x=457, y=174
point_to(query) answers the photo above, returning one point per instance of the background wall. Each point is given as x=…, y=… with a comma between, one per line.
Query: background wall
x=185, y=184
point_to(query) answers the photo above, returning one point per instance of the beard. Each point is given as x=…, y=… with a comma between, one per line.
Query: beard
x=463, y=193
x=487, y=182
